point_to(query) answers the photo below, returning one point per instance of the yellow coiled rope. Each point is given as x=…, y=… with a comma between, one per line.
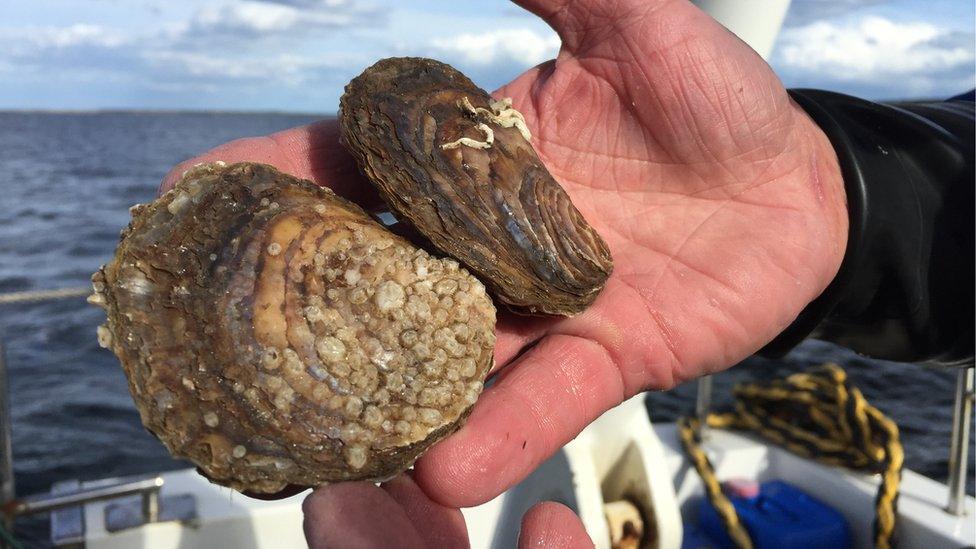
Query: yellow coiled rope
x=816, y=415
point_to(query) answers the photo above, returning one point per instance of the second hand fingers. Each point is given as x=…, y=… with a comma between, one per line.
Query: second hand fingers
x=357, y=514
x=438, y=525
x=550, y=524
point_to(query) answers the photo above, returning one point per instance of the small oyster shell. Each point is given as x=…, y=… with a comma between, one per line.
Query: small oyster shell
x=274, y=334
x=461, y=171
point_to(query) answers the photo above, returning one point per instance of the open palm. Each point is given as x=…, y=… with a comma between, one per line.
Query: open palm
x=721, y=203
x=720, y=200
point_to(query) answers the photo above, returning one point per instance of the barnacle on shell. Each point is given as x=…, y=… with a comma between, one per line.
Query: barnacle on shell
x=275, y=334
x=459, y=167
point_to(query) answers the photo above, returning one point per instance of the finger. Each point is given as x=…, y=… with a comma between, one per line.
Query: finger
x=550, y=524
x=357, y=515
x=310, y=152
x=439, y=526
x=539, y=404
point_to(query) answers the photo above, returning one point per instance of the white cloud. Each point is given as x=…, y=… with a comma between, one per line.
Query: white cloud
x=523, y=47
x=32, y=39
x=872, y=47
x=79, y=34
x=287, y=69
x=285, y=18
x=81, y=52
x=249, y=16
x=310, y=3
x=802, y=12
x=228, y=45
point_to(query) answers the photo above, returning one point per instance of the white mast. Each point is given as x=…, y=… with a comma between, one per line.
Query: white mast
x=756, y=22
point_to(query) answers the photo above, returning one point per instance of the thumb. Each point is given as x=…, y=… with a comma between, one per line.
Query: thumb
x=584, y=23
x=550, y=524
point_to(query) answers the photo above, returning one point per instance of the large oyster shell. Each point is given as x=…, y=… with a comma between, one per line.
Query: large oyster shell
x=274, y=334
x=458, y=166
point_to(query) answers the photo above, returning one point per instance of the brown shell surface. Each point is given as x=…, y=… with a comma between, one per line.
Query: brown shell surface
x=496, y=209
x=274, y=334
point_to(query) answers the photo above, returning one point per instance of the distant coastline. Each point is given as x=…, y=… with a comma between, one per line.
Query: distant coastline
x=15, y=110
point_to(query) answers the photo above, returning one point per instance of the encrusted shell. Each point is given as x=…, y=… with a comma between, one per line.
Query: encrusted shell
x=274, y=334
x=460, y=168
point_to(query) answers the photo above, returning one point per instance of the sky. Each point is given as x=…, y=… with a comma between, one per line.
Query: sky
x=296, y=55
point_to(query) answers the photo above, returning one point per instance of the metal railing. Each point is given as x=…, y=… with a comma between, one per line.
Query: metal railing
x=34, y=296
x=10, y=506
x=148, y=488
x=7, y=487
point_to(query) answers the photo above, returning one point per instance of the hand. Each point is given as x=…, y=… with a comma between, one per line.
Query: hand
x=398, y=513
x=721, y=201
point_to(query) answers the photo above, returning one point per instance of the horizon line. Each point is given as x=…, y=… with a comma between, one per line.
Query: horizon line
x=284, y=112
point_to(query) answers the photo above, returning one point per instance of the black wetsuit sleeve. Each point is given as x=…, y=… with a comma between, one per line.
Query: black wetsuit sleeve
x=905, y=288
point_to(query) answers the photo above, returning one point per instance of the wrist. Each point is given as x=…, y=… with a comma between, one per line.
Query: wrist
x=838, y=188
x=829, y=186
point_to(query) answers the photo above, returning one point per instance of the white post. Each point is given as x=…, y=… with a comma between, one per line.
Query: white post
x=756, y=22
x=703, y=404
x=961, y=420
